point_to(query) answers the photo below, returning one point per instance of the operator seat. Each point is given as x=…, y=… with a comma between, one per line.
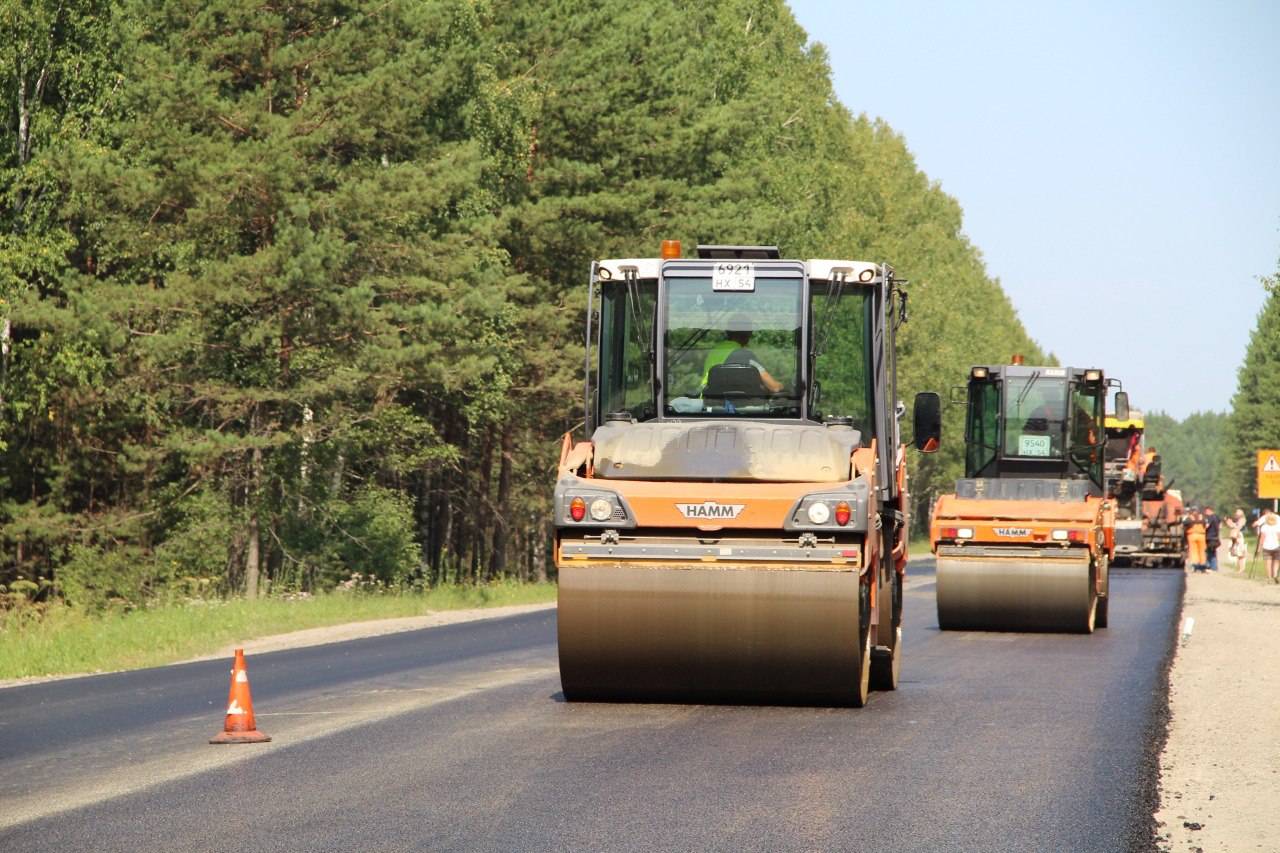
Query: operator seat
x=738, y=383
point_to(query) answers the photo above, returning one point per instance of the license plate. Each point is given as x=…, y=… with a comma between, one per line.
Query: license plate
x=736, y=276
x=1033, y=445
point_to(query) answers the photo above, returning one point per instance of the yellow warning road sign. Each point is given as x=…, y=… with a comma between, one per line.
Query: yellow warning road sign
x=1269, y=473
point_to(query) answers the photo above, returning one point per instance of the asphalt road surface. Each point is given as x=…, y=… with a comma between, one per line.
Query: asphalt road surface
x=457, y=738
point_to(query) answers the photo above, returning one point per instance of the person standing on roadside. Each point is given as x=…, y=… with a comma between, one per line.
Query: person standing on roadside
x=1239, y=550
x=1212, y=538
x=1193, y=530
x=1269, y=540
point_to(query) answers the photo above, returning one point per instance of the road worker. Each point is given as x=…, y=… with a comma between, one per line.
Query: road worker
x=1193, y=527
x=733, y=350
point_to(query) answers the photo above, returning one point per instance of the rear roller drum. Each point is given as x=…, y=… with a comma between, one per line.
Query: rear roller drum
x=863, y=688
x=886, y=657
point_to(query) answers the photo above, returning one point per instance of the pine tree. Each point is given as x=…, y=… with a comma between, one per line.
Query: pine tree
x=287, y=262
x=1254, y=422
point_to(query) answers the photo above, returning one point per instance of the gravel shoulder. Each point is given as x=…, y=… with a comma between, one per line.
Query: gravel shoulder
x=1220, y=769
x=331, y=634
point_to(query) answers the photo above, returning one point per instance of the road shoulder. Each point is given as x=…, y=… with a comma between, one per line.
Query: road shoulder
x=1220, y=769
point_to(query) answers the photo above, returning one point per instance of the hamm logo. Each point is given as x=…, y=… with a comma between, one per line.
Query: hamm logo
x=710, y=509
x=1013, y=532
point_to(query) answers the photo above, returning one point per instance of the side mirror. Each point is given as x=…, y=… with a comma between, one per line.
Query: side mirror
x=959, y=395
x=1122, y=406
x=927, y=420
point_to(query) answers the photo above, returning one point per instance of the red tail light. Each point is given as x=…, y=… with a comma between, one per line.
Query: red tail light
x=1075, y=536
x=577, y=509
x=950, y=532
x=842, y=513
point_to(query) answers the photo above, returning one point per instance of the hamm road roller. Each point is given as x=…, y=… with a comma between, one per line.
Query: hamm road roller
x=1025, y=542
x=732, y=527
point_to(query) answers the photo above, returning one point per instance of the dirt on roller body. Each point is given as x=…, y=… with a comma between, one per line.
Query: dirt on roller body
x=1220, y=769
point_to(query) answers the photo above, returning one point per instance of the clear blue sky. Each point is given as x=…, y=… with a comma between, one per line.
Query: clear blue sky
x=1118, y=164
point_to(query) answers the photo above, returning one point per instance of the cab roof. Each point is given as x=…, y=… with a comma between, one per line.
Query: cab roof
x=818, y=268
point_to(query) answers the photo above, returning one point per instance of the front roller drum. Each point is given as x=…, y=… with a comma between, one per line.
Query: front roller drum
x=1015, y=592
x=731, y=635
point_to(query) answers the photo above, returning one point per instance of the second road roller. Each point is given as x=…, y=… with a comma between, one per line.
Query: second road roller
x=1025, y=542
x=732, y=526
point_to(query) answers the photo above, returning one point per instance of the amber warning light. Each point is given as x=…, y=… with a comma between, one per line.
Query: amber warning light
x=670, y=249
x=1017, y=359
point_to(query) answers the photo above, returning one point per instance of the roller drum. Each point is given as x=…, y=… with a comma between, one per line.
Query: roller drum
x=1017, y=592
x=738, y=635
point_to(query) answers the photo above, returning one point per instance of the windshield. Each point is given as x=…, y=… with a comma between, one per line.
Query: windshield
x=842, y=382
x=1035, y=410
x=1087, y=405
x=733, y=353
x=982, y=429
x=626, y=320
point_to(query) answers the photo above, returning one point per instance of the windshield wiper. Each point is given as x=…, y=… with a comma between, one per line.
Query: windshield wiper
x=1025, y=391
x=644, y=335
x=833, y=299
x=696, y=338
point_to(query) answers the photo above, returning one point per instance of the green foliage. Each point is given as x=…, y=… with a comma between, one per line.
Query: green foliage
x=57, y=68
x=1191, y=454
x=95, y=578
x=1254, y=422
x=370, y=532
x=298, y=291
x=280, y=249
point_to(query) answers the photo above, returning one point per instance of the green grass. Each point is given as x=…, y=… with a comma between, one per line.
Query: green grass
x=919, y=545
x=64, y=640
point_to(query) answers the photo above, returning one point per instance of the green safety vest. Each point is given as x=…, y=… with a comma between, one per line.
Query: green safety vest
x=719, y=353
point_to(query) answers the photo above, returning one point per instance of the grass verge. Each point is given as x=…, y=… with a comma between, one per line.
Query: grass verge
x=919, y=545
x=66, y=641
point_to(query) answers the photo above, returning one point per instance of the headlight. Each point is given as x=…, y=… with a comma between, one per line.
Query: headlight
x=819, y=512
x=601, y=509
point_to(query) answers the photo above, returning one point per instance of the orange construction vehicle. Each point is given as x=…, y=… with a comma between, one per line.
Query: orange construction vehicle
x=1148, y=512
x=733, y=526
x=1025, y=542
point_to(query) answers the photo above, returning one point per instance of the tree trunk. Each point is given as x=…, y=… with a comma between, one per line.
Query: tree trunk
x=253, y=556
x=502, y=525
x=482, y=515
x=540, y=550
x=6, y=336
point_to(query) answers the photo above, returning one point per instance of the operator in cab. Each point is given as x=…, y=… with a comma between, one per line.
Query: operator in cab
x=733, y=350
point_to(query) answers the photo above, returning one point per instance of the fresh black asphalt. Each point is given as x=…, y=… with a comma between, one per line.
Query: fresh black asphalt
x=992, y=742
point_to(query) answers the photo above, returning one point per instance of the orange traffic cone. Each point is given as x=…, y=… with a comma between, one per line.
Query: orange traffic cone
x=240, y=727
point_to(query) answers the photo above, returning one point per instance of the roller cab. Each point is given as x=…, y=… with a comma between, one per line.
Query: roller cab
x=1025, y=542
x=731, y=528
